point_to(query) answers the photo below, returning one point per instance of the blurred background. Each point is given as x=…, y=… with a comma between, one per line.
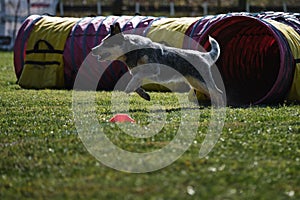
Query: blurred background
x=176, y=7
x=14, y=12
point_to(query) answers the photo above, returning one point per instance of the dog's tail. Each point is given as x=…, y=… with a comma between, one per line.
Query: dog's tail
x=215, y=50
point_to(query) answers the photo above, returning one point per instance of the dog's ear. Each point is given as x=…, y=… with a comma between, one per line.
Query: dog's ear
x=115, y=29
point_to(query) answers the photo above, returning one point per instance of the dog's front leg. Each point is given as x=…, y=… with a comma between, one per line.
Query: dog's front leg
x=140, y=73
x=140, y=91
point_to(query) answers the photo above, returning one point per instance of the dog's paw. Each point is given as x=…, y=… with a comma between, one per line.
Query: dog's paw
x=146, y=96
x=143, y=94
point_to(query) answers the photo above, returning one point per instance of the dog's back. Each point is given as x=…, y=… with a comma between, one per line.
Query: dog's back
x=180, y=60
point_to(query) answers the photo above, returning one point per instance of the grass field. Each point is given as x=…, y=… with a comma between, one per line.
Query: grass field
x=42, y=157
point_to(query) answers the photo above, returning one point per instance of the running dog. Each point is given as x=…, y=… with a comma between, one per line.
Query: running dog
x=141, y=51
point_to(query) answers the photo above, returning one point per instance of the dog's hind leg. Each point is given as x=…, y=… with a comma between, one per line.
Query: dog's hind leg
x=206, y=88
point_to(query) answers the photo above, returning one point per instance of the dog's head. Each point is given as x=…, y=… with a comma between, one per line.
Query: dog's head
x=111, y=46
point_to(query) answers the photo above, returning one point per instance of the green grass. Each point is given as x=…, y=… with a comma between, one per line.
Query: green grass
x=256, y=157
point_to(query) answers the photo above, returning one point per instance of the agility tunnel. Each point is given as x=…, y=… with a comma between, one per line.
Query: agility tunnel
x=259, y=61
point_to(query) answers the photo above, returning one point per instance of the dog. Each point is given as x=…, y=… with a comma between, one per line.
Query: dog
x=142, y=51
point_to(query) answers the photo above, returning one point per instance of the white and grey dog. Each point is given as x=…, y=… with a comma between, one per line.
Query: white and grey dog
x=140, y=50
